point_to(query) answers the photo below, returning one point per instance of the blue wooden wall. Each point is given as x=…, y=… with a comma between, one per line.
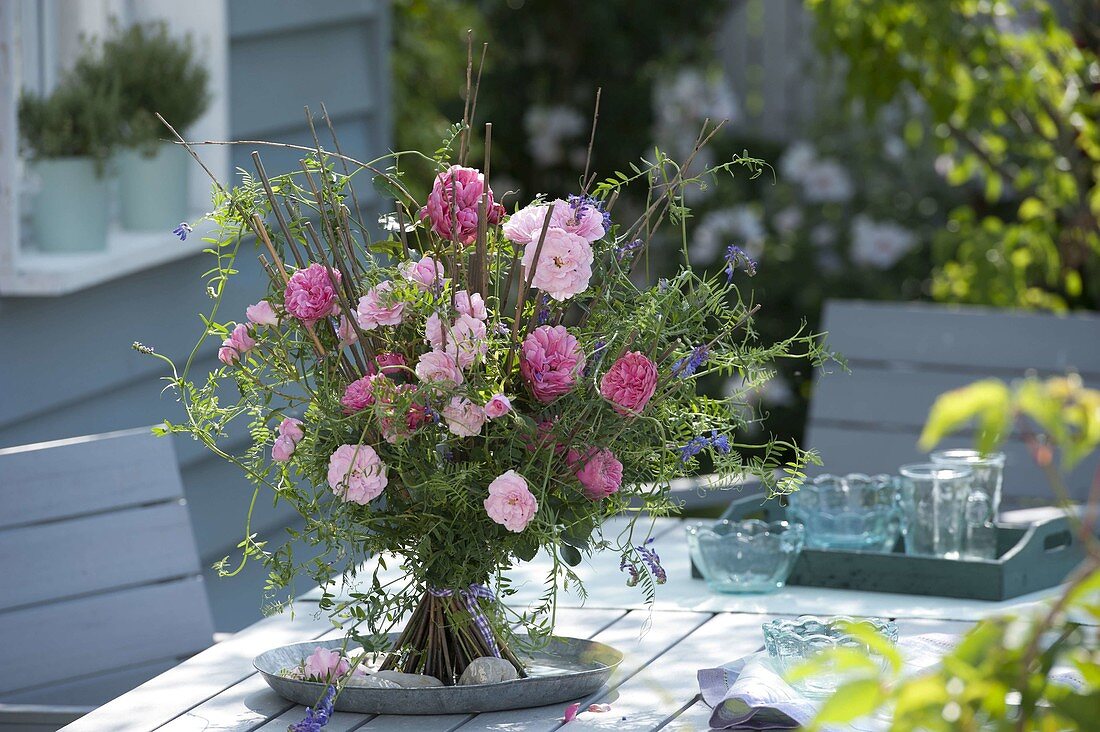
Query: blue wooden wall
x=66, y=366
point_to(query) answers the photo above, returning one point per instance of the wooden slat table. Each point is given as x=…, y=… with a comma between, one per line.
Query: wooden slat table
x=688, y=628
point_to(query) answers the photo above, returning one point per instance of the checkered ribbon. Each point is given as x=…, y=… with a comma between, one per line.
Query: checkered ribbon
x=470, y=597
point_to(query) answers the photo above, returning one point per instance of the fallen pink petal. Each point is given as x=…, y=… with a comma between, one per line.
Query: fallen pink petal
x=571, y=711
x=599, y=708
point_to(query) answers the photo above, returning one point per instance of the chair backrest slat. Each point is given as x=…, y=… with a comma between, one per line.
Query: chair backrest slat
x=67, y=478
x=90, y=635
x=101, y=570
x=62, y=559
x=903, y=355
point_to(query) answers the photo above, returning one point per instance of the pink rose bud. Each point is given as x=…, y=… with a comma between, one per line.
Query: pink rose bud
x=464, y=418
x=498, y=406
x=283, y=448
x=390, y=363
x=326, y=665
x=236, y=345
x=629, y=383
x=510, y=502
x=425, y=273
x=309, y=294
x=356, y=474
x=262, y=314
x=346, y=332
x=472, y=305
x=292, y=428
x=378, y=307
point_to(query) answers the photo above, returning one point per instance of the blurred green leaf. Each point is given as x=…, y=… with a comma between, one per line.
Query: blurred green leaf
x=987, y=401
x=851, y=701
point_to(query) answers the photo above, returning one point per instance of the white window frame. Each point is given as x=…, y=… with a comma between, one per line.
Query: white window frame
x=26, y=272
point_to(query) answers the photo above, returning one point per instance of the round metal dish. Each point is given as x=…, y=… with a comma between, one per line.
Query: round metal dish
x=568, y=668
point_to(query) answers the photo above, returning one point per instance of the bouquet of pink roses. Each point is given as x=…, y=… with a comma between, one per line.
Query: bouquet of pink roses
x=478, y=386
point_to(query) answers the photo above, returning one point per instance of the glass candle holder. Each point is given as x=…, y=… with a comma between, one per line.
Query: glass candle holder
x=984, y=502
x=792, y=642
x=853, y=511
x=745, y=556
x=935, y=499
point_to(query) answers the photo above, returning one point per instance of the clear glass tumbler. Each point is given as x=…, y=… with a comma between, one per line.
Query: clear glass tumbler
x=935, y=499
x=984, y=502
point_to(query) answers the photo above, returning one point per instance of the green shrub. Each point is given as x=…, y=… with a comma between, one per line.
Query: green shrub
x=76, y=119
x=155, y=73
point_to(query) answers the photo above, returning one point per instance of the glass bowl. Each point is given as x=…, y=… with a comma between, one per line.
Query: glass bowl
x=745, y=556
x=853, y=511
x=792, y=641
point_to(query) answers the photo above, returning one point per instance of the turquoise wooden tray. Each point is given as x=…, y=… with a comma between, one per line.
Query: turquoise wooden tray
x=1029, y=558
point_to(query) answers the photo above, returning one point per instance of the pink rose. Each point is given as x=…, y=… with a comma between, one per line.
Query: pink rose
x=373, y=312
x=630, y=383
x=282, y=449
x=292, y=428
x=346, y=332
x=236, y=345
x=455, y=198
x=356, y=473
x=426, y=273
x=550, y=362
x=583, y=220
x=359, y=395
x=511, y=502
x=433, y=332
x=464, y=418
x=309, y=294
x=599, y=471
x=565, y=264
x=261, y=314
x=325, y=665
x=437, y=366
x=525, y=226
x=472, y=305
x=467, y=340
x=390, y=363
x=498, y=406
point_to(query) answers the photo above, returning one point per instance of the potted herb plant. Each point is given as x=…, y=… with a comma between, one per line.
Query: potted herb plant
x=155, y=73
x=69, y=134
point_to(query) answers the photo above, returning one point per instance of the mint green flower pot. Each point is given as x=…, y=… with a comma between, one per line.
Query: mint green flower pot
x=152, y=190
x=71, y=211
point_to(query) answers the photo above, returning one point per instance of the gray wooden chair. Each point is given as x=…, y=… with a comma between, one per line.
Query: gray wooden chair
x=100, y=587
x=903, y=355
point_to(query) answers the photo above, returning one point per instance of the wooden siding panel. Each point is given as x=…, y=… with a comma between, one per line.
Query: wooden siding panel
x=290, y=62
x=268, y=17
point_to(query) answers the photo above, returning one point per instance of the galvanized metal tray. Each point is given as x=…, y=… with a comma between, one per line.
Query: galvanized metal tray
x=568, y=668
x=1029, y=558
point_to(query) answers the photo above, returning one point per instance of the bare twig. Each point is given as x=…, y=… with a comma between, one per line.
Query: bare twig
x=585, y=181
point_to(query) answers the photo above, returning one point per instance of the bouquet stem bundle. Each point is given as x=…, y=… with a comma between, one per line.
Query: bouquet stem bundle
x=442, y=638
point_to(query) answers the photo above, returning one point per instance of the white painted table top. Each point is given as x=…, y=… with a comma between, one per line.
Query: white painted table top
x=687, y=629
